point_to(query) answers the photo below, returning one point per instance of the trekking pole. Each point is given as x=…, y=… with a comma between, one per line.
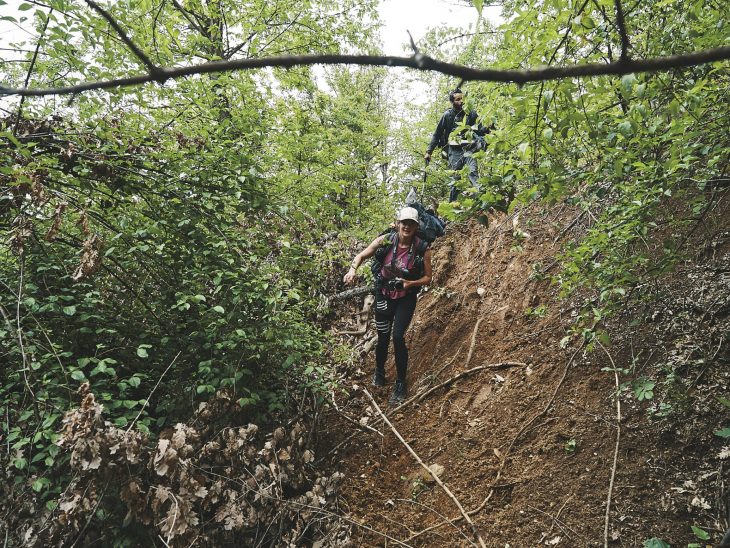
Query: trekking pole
x=423, y=186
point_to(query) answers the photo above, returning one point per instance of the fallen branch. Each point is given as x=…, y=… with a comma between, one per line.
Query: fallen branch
x=153, y=391
x=433, y=376
x=289, y=503
x=349, y=419
x=431, y=472
x=418, y=397
x=615, y=453
x=355, y=292
x=530, y=422
x=571, y=225
x=19, y=331
x=556, y=519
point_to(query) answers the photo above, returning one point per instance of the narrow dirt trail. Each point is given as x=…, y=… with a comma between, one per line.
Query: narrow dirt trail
x=522, y=431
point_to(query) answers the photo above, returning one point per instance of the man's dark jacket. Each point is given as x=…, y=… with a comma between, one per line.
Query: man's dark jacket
x=448, y=122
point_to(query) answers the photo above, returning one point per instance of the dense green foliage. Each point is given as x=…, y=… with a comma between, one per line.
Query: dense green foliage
x=178, y=234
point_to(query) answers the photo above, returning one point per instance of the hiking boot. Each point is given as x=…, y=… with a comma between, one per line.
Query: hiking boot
x=399, y=393
x=379, y=378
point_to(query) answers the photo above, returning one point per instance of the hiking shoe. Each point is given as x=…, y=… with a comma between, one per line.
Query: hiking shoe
x=379, y=378
x=400, y=392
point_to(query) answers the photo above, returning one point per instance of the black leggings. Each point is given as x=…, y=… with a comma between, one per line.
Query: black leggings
x=395, y=315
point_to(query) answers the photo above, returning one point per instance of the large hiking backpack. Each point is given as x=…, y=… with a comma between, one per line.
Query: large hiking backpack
x=431, y=227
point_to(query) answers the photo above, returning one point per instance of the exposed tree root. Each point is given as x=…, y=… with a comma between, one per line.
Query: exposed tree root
x=418, y=397
x=615, y=452
x=473, y=342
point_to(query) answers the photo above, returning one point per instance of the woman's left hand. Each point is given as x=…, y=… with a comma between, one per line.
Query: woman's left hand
x=407, y=284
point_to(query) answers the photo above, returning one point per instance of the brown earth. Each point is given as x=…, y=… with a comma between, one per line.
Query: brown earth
x=533, y=448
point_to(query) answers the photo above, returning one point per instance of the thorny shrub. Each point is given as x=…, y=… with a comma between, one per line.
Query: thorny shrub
x=194, y=484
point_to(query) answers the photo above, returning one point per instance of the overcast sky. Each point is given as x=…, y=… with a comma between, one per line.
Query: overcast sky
x=417, y=16
x=398, y=16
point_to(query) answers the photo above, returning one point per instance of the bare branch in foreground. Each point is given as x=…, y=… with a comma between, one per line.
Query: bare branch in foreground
x=418, y=62
x=429, y=470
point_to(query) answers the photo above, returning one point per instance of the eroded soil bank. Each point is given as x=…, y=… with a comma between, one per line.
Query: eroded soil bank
x=533, y=444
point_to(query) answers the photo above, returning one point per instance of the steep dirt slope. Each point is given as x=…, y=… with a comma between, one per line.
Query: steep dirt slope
x=527, y=444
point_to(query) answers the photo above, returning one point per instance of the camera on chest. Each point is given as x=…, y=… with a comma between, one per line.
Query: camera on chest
x=396, y=284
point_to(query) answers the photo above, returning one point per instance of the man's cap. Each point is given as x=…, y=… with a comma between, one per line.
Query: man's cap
x=408, y=213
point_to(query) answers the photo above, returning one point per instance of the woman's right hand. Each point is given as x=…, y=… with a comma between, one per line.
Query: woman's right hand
x=350, y=276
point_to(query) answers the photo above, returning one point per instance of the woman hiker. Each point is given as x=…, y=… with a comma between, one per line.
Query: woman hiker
x=402, y=265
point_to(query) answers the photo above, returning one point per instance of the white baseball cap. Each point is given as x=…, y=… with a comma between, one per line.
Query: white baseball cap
x=408, y=213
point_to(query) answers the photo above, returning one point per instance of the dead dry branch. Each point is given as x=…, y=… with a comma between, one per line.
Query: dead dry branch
x=441, y=484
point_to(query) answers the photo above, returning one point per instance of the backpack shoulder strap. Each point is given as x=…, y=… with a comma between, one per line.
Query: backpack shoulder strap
x=388, y=237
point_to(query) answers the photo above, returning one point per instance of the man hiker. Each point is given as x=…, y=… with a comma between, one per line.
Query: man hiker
x=401, y=266
x=459, y=149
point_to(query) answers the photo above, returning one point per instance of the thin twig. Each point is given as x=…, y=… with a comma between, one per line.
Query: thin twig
x=153, y=391
x=504, y=457
x=153, y=69
x=420, y=62
x=431, y=472
x=172, y=527
x=30, y=70
x=353, y=421
x=20, y=331
x=418, y=397
x=571, y=225
x=433, y=376
x=533, y=419
x=414, y=47
x=556, y=520
x=615, y=453
x=7, y=427
x=92, y=513
x=294, y=503
x=442, y=516
x=621, y=23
